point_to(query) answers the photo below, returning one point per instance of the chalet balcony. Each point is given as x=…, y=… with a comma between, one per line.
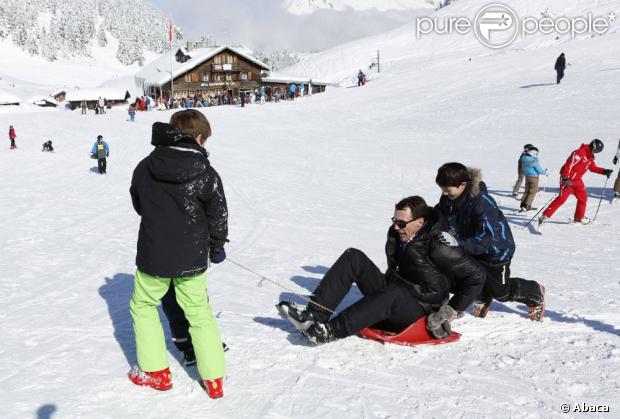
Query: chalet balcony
x=215, y=68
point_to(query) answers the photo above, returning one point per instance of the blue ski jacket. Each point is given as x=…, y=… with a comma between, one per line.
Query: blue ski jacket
x=531, y=167
x=480, y=226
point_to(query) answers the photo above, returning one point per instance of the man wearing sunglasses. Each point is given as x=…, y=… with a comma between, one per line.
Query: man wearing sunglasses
x=424, y=265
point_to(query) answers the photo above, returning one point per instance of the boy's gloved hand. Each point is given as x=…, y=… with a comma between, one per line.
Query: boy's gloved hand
x=615, y=160
x=446, y=238
x=438, y=323
x=608, y=172
x=217, y=255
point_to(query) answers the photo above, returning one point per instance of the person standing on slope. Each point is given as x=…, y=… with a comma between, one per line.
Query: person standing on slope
x=617, y=184
x=520, y=175
x=100, y=151
x=181, y=200
x=12, y=137
x=560, y=66
x=579, y=161
x=532, y=170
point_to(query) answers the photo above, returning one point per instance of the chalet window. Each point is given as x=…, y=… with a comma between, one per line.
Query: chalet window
x=217, y=76
x=205, y=77
x=229, y=59
x=228, y=76
x=244, y=76
x=218, y=60
x=188, y=77
x=250, y=75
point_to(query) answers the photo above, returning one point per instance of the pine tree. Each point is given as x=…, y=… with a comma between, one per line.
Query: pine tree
x=101, y=39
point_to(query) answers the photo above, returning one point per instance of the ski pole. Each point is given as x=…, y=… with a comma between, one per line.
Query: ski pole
x=601, y=200
x=541, y=210
x=264, y=278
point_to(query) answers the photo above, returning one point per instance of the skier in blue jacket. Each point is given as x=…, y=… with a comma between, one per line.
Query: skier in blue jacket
x=100, y=151
x=532, y=170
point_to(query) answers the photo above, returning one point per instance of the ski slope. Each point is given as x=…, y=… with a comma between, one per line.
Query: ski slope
x=304, y=181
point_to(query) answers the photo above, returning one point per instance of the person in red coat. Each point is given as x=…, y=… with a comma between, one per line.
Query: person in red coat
x=12, y=136
x=571, y=173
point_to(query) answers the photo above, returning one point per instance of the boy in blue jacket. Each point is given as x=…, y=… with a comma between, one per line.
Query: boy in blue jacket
x=531, y=170
x=481, y=229
x=100, y=151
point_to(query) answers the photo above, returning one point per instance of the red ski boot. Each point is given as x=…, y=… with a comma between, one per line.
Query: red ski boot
x=214, y=388
x=159, y=380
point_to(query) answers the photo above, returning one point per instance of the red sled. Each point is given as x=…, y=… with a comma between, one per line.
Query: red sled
x=414, y=335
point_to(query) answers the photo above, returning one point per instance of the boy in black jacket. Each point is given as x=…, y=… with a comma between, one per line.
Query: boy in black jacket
x=181, y=200
x=424, y=265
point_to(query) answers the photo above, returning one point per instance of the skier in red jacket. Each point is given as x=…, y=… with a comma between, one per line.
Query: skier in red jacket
x=577, y=164
x=12, y=137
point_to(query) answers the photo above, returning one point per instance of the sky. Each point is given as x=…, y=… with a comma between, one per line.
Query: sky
x=266, y=25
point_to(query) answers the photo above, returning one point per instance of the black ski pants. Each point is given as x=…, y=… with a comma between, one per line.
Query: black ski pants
x=101, y=164
x=560, y=75
x=387, y=302
x=501, y=287
x=179, y=326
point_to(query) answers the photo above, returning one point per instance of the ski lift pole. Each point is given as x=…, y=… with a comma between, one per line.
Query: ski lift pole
x=264, y=278
x=601, y=199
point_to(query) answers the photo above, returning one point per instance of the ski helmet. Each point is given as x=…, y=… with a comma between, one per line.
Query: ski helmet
x=527, y=147
x=596, y=146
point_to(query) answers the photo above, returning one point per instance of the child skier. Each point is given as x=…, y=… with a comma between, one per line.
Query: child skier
x=12, y=137
x=520, y=176
x=571, y=173
x=132, y=113
x=184, y=224
x=531, y=169
x=617, y=184
x=100, y=151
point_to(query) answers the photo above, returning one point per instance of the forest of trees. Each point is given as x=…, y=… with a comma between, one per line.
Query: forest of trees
x=68, y=28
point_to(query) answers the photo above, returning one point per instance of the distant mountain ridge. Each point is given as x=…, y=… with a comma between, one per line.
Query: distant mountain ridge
x=68, y=28
x=302, y=7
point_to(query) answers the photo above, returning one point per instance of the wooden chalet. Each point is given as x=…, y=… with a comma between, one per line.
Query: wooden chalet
x=203, y=72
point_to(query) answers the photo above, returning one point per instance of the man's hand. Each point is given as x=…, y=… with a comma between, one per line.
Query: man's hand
x=615, y=160
x=438, y=323
x=608, y=172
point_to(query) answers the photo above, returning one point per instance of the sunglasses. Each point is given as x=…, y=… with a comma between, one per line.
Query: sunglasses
x=400, y=223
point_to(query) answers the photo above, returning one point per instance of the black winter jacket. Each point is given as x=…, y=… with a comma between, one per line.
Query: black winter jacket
x=181, y=200
x=432, y=270
x=560, y=63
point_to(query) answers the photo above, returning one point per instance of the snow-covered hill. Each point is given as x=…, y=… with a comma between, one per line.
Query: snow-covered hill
x=304, y=181
x=302, y=7
x=342, y=63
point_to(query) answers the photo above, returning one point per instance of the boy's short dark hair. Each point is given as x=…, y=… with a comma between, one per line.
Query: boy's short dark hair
x=192, y=122
x=452, y=174
x=417, y=205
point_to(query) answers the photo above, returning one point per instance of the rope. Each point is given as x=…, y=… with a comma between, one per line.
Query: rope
x=264, y=278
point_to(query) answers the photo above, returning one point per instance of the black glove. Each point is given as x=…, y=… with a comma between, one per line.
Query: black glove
x=438, y=323
x=392, y=275
x=566, y=183
x=217, y=255
x=608, y=172
x=615, y=160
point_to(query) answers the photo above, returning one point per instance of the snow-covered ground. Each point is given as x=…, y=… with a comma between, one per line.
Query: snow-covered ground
x=304, y=181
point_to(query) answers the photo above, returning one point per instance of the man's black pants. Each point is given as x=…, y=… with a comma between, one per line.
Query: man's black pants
x=383, y=301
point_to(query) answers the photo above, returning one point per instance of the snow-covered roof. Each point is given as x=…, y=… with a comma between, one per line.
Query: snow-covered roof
x=157, y=73
x=7, y=98
x=290, y=79
x=41, y=100
x=95, y=93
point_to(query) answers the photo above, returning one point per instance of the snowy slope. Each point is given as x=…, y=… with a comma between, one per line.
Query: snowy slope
x=303, y=7
x=342, y=63
x=304, y=181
